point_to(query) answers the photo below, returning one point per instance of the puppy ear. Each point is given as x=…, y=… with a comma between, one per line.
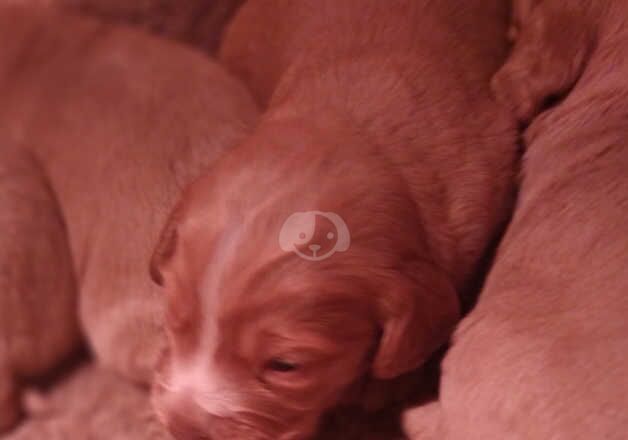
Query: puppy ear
x=552, y=48
x=418, y=314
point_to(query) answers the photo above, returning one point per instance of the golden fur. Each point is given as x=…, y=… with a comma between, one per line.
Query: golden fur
x=543, y=354
x=100, y=128
x=381, y=113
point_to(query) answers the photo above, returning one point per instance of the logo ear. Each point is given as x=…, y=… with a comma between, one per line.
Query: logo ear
x=344, y=237
x=295, y=224
x=418, y=314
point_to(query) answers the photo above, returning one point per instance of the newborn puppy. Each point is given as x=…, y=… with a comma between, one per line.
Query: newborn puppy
x=543, y=354
x=100, y=127
x=334, y=246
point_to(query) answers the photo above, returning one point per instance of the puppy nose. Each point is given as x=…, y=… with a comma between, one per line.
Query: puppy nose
x=314, y=247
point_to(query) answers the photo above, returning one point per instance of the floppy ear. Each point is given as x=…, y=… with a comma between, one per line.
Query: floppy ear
x=552, y=48
x=418, y=314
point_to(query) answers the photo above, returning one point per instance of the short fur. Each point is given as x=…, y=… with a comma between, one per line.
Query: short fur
x=543, y=354
x=91, y=403
x=196, y=22
x=100, y=128
x=381, y=113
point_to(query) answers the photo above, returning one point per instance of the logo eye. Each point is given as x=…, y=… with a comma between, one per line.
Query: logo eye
x=330, y=235
x=302, y=235
x=281, y=366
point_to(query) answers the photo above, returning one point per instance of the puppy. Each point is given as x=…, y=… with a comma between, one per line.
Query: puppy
x=333, y=248
x=100, y=127
x=542, y=356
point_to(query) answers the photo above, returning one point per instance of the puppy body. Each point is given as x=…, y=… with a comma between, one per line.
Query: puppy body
x=90, y=403
x=34, y=334
x=100, y=127
x=377, y=112
x=196, y=22
x=543, y=354
x=375, y=70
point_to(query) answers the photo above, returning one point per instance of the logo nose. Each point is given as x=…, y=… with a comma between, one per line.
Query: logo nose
x=314, y=247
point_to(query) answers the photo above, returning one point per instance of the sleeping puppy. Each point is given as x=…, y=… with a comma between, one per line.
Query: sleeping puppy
x=333, y=248
x=543, y=354
x=100, y=127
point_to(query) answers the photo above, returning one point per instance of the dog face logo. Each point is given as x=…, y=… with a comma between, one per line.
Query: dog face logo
x=314, y=235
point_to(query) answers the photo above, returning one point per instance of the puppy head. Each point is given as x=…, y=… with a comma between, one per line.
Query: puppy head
x=267, y=333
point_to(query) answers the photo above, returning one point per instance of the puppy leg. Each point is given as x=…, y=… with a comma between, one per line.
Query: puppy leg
x=551, y=50
x=38, y=325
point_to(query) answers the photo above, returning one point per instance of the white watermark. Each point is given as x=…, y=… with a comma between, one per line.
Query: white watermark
x=314, y=235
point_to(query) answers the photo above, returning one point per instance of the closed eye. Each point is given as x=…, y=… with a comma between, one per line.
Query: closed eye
x=281, y=366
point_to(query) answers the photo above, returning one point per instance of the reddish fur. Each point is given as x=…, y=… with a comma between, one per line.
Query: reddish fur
x=543, y=354
x=196, y=22
x=100, y=127
x=379, y=112
x=90, y=403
